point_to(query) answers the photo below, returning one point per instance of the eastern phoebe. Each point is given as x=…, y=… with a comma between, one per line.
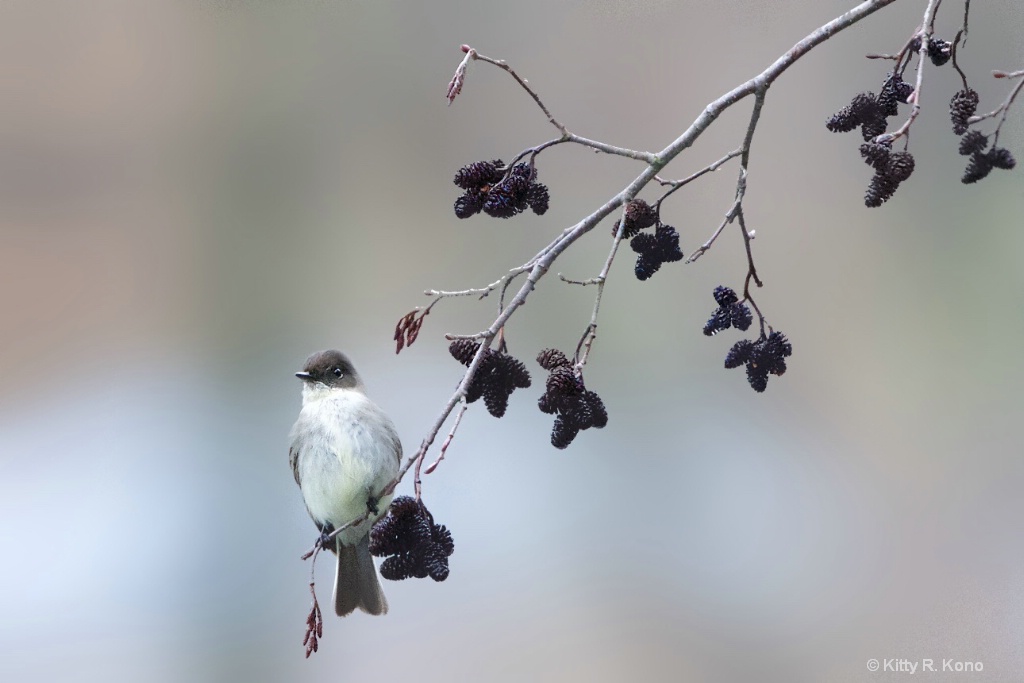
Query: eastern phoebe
x=344, y=450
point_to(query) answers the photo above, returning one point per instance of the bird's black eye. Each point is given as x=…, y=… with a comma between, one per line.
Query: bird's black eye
x=337, y=372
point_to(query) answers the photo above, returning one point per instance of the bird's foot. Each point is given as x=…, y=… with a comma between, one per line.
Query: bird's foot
x=372, y=504
x=325, y=540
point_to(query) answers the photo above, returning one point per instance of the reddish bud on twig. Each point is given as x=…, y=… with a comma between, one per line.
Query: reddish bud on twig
x=408, y=328
x=314, y=626
x=455, y=86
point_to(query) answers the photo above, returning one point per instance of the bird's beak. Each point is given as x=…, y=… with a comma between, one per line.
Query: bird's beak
x=304, y=376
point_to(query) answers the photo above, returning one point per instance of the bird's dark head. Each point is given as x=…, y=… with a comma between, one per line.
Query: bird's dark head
x=330, y=368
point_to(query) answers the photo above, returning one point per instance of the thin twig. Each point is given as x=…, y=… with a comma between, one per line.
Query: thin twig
x=534, y=151
x=502, y=64
x=448, y=440
x=1003, y=108
x=953, y=51
x=751, y=269
x=646, y=157
x=967, y=12
x=714, y=166
x=481, y=291
x=741, y=188
x=935, y=12
x=730, y=216
x=584, y=283
x=748, y=237
x=508, y=281
x=590, y=334
x=566, y=136
x=476, y=336
x=898, y=57
x=676, y=184
x=741, y=180
x=915, y=99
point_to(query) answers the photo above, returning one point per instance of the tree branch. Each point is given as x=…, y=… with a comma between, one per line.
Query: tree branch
x=925, y=33
x=540, y=264
x=1003, y=108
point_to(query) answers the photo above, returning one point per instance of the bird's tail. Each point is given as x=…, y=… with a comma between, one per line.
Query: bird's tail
x=356, y=584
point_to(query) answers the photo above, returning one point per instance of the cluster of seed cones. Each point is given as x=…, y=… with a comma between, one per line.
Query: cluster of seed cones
x=652, y=249
x=574, y=406
x=497, y=377
x=870, y=112
x=939, y=50
x=962, y=107
x=415, y=547
x=730, y=313
x=499, y=192
x=638, y=215
x=891, y=169
x=973, y=143
x=766, y=356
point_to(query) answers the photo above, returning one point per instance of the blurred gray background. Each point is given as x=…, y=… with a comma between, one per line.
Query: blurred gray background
x=194, y=196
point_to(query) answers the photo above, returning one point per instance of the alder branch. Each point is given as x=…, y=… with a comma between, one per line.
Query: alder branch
x=741, y=188
x=998, y=73
x=481, y=292
x=590, y=334
x=714, y=166
x=1003, y=108
x=440, y=294
x=447, y=441
x=748, y=236
x=567, y=136
x=967, y=12
x=544, y=259
x=502, y=64
x=925, y=34
x=730, y=216
x=741, y=191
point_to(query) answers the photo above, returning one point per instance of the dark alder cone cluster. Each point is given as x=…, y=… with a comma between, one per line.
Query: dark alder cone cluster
x=638, y=215
x=973, y=143
x=479, y=174
x=891, y=169
x=962, y=106
x=870, y=113
x=538, y=198
x=414, y=546
x=766, y=356
x=574, y=406
x=730, y=313
x=476, y=179
x=499, y=192
x=864, y=112
x=939, y=50
x=497, y=377
x=894, y=91
x=654, y=250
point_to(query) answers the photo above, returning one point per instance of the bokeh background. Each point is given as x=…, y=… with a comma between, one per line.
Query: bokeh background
x=194, y=196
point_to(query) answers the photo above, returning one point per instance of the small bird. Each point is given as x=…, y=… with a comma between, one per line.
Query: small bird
x=344, y=451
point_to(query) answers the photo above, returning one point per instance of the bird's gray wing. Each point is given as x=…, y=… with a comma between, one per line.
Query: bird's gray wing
x=293, y=460
x=396, y=441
